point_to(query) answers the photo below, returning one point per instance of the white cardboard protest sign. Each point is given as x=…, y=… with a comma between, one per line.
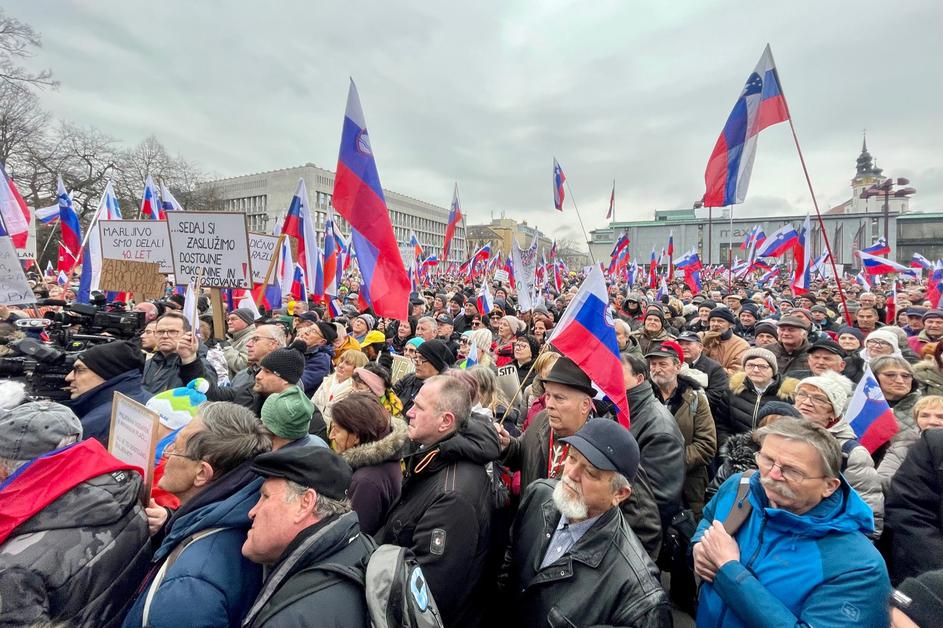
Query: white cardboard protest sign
x=14, y=289
x=216, y=242
x=501, y=275
x=508, y=380
x=132, y=437
x=137, y=241
x=262, y=249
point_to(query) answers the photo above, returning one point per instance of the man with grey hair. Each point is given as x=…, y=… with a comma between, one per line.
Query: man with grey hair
x=200, y=558
x=73, y=536
x=570, y=542
x=444, y=512
x=427, y=328
x=303, y=517
x=787, y=545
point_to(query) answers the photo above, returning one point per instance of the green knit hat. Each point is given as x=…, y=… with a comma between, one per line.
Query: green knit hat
x=288, y=413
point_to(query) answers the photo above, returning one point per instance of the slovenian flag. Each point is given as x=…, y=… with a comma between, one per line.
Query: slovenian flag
x=586, y=335
x=869, y=414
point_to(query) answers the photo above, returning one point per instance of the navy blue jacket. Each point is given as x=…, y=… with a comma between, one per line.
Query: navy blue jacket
x=93, y=407
x=317, y=367
x=211, y=584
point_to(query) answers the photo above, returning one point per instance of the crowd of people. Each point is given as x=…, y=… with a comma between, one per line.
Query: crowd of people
x=293, y=445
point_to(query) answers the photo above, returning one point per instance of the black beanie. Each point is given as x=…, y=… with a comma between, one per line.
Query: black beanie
x=438, y=354
x=287, y=363
x=328, y=331
x=723, y=313
x=921, y=598
x=113, y=358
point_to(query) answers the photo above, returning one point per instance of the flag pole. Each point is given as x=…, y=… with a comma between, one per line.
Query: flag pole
x=730, y=252
x=573, y=201
x=815, y=203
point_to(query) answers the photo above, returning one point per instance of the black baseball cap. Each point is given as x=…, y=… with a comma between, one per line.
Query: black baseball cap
x=607, y=446
x=690, y=336
x=311, y=466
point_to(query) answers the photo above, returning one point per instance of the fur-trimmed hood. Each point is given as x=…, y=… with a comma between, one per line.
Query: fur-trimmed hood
x=785, y=386
x=390, y=447
x=738, y=451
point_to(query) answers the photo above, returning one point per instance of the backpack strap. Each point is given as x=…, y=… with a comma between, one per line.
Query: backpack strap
x=741, y=509
x=168, y=563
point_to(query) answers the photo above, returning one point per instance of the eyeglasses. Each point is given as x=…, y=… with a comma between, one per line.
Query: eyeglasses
x=892, y=375
x=168, y=332
x=419, y=360
x=877, y=343
x=78, y=369
x=463, y=341
x=758, y=366
x=171, y=450
x=258, y=338
x=790, y=474
x=476, y=323
x=822, y=401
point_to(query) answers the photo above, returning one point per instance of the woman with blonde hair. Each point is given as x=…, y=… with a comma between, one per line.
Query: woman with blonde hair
x=482, y=338
x=338, y=384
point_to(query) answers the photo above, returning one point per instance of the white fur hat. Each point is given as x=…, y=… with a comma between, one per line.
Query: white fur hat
x=837, y=388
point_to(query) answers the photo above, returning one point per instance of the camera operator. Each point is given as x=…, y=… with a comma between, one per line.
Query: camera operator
x=151, y=312
x=175, y=341
x=97, y=374
x=9, y=316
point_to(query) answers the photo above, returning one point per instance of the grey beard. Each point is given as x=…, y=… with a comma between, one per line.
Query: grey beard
x=572, y=509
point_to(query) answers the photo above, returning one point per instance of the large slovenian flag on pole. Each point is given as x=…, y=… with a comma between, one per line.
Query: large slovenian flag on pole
x=586, y=335
x=455, y=217
x=869, y=414
x=761, y=104
x=13, y=211
x=150, y=203
x=299, y=224
x=71, y=230
x=784, y=239
x=802, y=255
x=874, y=265
x=108, y=209
x=358, y=197
x=558, y=180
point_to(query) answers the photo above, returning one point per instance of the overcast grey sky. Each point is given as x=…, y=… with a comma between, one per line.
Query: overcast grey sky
x=486, y=93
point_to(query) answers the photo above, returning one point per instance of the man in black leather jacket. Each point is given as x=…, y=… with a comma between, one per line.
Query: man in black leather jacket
x=574, y=560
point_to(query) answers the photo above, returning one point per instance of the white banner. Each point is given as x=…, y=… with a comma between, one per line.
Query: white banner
x=525, y=274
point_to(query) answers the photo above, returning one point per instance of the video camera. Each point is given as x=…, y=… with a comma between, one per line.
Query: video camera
x=41, y=367
x=44, y=358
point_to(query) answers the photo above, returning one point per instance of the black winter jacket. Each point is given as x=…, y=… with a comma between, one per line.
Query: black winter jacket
x=605, y=579
x=745, y=404
x=310, y=585
x=444, y=516
x=717, y=384
x=662, y=448
x=407, y=389
x=913, y=509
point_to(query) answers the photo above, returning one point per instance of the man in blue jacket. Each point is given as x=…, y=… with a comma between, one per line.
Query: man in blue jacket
x=801, y=556
x=198, y=576
x=98, y=373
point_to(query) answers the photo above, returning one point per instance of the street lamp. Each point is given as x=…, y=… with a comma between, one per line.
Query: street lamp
x=886, y=189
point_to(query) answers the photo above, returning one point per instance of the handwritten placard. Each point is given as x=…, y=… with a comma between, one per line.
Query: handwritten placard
x=402, y=366
x=144, y=279
x=262, y=250
x=137, y=241
x=133, y=436
x=501, y=275
x=216, y=242
x=14, y=288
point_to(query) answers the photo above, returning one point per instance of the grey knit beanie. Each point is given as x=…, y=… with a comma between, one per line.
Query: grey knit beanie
x=764, y=354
